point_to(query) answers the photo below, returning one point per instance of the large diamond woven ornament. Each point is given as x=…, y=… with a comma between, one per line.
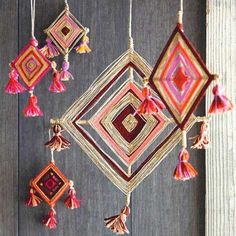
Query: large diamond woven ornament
x=50, y=184
x=66, y=31
x=104, y=123
x=31, y=65
x=180, y=77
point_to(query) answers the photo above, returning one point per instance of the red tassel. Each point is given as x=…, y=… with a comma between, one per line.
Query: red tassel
x=57, y=142
x=117, y=223
x=220, y=103
x=32, y=109
x=50, y=50
x=150, y=105
x=83, y=46
x=33, y=200
x=72, y=202
x=13, y=86
x=50, y=220
x=56, y=86
x=201, y=141
x=184, y=170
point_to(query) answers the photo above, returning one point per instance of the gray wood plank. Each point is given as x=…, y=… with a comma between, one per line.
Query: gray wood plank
x=9, y=123
x=160, y=205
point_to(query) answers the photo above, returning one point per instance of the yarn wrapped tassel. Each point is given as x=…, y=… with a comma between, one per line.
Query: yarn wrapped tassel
x=65, y=74
x=72, y=202
x=50, y=220
x=201, y=141
x=33, y=200
x=56, y=86
x=220, y=102
x=184, y=170
x=117, y=223
x=32, y=109
x=13, y=85
x=150, y=105
x=57, y=142
x=83, y=46
x=50, y=50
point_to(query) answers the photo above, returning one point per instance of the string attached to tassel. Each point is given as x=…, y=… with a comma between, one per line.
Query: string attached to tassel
x=83, y=46
x=220, y=102
x=150, y=105
x=56, y=86
x=72, y=202
x=184, y=170
x=32, y=109
x=57, y=142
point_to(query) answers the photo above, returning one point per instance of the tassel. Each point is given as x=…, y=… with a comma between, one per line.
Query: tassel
x=50, y=220
x=184, y=170
x=56, y=86
x=220, y=103
x=65, y=74
x=57, y=142
x=33, y=200
x=150, y=105
x=117, y=223
x=14, y=86
x=83, y=46
x=50, y=50
x=32, y=109
x=201, y=141
x=72, y=202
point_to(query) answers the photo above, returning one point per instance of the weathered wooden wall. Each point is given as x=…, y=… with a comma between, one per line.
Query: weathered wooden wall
x=160, y=206
x=220, y=159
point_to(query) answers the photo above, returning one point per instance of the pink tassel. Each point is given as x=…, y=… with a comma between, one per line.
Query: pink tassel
x=33, y=200
x=117, y=223
x=220, y=103
x=83, y=46
x=32, y=109
x=65, y=74
x=49, y=50
x=184, y=170
x=13, y=86
x=57, y=86
x=201, y=141
x=150, y=105
x=72, y=202
x=50, y=220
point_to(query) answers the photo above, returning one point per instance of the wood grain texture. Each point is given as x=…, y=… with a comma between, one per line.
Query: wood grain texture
x=220, y=158
x=8, y=123
x=160, y=206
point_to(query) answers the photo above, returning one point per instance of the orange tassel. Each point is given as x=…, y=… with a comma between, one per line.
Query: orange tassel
x=184, y=170
x=33, y=200
x=117, y=223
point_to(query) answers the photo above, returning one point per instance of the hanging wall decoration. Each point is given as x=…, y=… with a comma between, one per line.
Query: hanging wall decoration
x=63, y=35
x=131, y=116
x=50, y=184
x=31, y=66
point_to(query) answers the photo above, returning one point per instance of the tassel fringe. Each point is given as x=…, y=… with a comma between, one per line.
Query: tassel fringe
x=201, y=141
x=50, y=50
x=50, y=220
x=33, y=200
x=32, y=109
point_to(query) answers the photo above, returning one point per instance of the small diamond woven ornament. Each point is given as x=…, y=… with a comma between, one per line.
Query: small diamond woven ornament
x=63, y=35
x=181, y=78
x=31, y=66
x=50, y=184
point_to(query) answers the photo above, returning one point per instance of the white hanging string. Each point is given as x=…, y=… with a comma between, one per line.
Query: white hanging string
x=32, y=6
x=52, y=152
x=181, y=11
x=182, y=5
x=131, y=43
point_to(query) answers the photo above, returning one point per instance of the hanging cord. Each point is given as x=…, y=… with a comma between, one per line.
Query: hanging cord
x=66, y=5
x=128, y=196
x=52, y=151
x=181, y=12
x=131, y=42
x=32, y=6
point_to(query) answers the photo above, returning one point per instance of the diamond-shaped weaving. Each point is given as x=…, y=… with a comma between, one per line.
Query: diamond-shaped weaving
x=180, y=77
x=31, y=65
x=124, y=132
x=50, y=184
x=65, y=31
